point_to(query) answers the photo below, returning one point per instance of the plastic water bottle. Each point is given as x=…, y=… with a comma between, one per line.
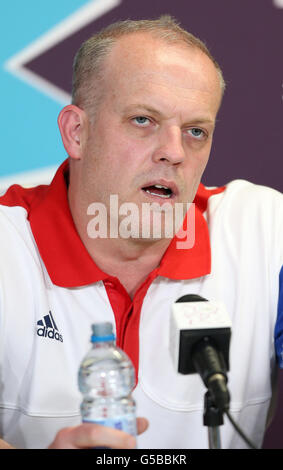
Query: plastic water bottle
x=106, y=379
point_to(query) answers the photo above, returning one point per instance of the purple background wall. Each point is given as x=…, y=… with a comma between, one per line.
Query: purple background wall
x=246, y=38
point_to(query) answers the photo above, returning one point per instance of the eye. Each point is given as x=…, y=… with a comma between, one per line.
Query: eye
x=142, y=121
x=197, y=133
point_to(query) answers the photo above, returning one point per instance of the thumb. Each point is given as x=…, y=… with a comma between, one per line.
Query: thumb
x=142, y=425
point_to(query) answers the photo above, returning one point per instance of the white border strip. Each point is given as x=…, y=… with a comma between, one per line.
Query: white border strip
x=43, y=85
x=29, y=178
x=83, y=16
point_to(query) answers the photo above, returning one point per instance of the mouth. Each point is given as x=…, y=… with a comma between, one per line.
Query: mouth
x=163, y=190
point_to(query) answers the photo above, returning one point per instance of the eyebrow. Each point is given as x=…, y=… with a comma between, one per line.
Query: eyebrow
x=149, y=109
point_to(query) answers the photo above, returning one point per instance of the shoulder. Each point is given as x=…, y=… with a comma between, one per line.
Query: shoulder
x=244, y=202
x=17, y=202
x=246, y=194
x=251, y=216
x=15, y=231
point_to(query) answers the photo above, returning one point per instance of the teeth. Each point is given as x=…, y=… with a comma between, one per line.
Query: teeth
x=159, y=195
x=161, y=187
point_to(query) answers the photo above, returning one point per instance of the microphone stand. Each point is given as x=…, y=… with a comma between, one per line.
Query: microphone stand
x=213, y=418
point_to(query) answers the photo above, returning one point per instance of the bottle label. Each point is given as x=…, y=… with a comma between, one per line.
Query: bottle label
x=125, y=423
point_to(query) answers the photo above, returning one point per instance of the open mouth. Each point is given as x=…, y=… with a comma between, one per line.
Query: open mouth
x=158, y=190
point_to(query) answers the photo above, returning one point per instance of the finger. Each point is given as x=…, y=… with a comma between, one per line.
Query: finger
x=93, y=435
x=142, y=425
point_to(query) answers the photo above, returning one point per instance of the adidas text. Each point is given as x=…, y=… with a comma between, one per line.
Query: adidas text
x=50, y=333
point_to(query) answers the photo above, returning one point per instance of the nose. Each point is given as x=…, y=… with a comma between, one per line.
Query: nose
x=170, y=146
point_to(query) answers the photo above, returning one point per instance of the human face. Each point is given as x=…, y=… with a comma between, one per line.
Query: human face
x=154, y=125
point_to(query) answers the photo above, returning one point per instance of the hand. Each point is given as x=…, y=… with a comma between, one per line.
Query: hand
x=89, y=435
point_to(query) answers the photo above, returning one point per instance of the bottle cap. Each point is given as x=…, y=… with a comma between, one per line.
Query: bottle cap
x=102, y=332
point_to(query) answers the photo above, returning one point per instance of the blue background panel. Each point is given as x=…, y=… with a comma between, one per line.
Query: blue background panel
x=30, y=137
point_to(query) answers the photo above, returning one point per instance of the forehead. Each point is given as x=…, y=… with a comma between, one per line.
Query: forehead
x=140, y=65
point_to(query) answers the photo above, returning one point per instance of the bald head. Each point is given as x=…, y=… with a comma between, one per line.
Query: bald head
x=139, y=60
x=94, y=54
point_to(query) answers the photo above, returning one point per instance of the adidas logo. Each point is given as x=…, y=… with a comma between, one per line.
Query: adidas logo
x=48, y=328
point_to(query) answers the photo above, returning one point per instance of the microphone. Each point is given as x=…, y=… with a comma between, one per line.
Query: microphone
x=200, y=332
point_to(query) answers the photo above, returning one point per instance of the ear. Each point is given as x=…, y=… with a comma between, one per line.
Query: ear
x=73, y=125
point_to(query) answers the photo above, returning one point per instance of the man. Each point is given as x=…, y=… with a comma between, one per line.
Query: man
x=140, y=127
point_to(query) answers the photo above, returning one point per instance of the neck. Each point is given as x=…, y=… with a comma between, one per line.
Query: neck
x=130, y=260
